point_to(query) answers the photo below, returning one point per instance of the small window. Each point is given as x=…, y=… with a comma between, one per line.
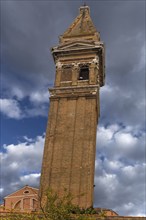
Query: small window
x=84, y=73
x=26, y=192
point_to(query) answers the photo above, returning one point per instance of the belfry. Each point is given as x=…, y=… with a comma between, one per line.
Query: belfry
x=70, y=144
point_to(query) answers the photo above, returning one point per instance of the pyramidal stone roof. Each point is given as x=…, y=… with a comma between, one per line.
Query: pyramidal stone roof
x=82, y=27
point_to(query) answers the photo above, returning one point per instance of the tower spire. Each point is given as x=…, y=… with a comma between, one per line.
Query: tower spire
x=81, y=28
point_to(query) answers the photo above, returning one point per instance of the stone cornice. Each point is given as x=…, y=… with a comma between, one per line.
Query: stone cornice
x=74, y=92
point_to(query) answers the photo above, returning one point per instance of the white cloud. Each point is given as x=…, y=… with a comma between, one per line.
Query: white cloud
x=30, y=179
x=11, y=108
x=18, y=92
x=15, y=109
x=121, y=143
x=106, y=89
x=25, y=153
x=1, y=190
x=129, y=206
x=39, y=97
x=120, y=170
x=13, y=165
x=114, y=165
x=32, y=175
x=21, y=164
x=104, y=136
x=121, y=189
x=28, y=139
x=125, y=139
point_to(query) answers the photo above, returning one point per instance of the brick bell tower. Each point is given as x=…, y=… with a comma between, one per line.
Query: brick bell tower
x=70, y=145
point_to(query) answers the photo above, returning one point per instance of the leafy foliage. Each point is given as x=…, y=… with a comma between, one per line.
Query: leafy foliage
x=62, y=208
x=58, y=208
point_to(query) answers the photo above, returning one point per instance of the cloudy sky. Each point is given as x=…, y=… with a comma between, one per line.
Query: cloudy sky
x=28, y=30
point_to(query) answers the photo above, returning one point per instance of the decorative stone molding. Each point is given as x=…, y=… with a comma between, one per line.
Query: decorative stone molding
x=75, y=65
x=59, y=65
x=96, y=61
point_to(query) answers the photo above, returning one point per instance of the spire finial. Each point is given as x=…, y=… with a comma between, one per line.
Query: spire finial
x=84, y=8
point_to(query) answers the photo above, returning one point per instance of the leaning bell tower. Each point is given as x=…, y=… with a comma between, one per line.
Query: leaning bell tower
x=70, y=144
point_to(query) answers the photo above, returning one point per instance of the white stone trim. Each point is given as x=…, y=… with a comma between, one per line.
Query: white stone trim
x=21, y=196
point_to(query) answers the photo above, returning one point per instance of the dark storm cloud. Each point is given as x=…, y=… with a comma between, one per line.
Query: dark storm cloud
x=31, y=28
x=25, y=56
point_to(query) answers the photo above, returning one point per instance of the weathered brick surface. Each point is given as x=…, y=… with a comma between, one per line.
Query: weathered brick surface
x=71, y=154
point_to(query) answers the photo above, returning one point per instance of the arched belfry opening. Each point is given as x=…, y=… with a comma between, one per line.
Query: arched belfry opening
x=70, y=143
x=84, y=72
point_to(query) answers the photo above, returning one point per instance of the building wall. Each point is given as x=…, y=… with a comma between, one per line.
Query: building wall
x=22, y=201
